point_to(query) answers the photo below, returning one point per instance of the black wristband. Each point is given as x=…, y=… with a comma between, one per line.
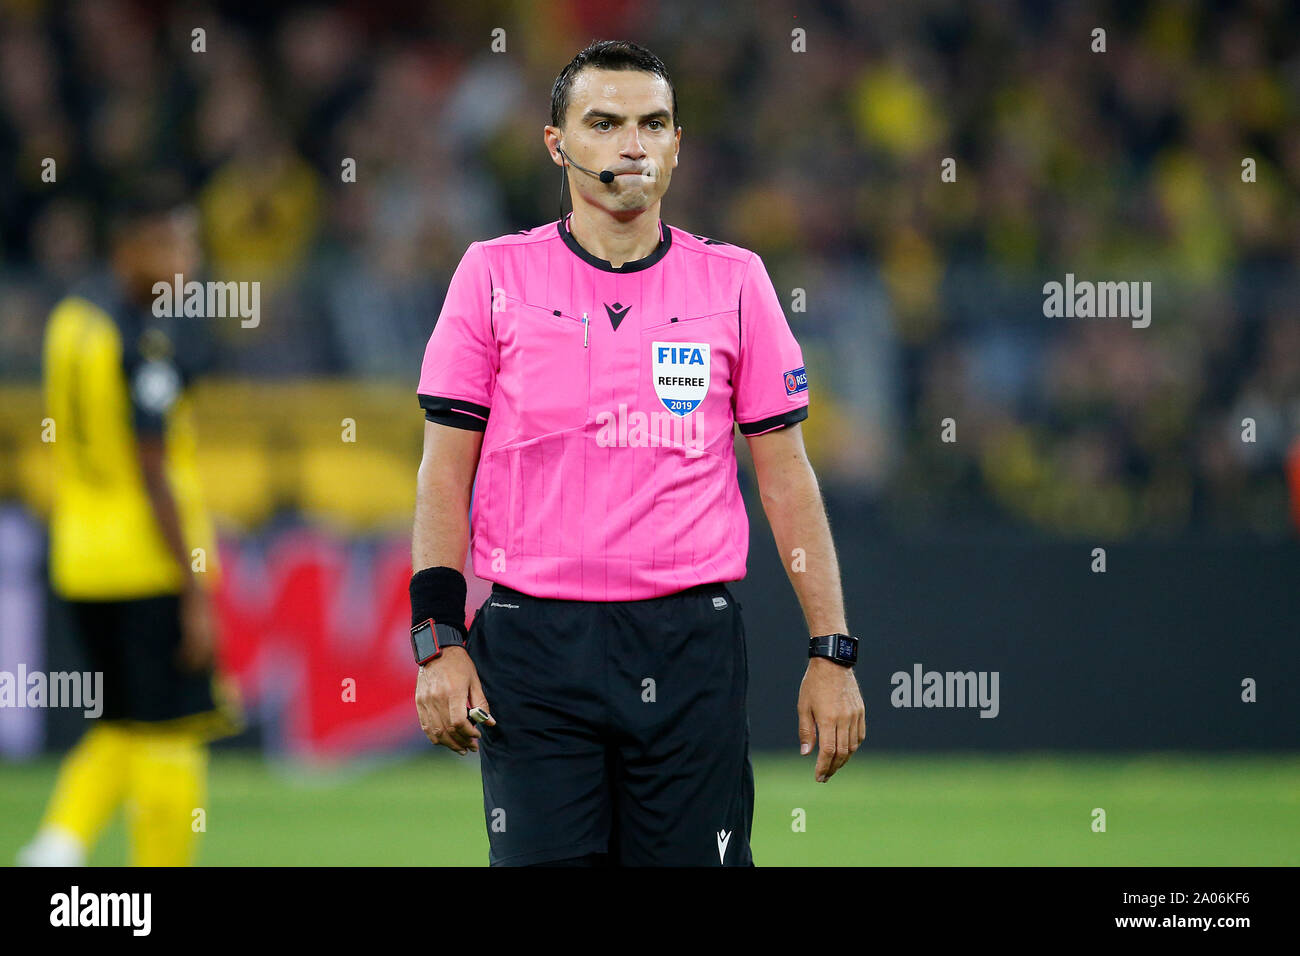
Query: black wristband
x=438, y=594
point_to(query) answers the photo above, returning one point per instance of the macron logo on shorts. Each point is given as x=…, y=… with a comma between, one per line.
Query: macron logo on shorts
x=724, y=837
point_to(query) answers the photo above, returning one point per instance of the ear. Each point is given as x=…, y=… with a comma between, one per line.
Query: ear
x=551, y=139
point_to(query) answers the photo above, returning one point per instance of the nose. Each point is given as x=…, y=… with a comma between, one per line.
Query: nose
x=632, y=148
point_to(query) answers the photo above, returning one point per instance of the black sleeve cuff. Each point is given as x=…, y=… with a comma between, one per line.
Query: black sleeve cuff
x=792, y=417
x=454, y=412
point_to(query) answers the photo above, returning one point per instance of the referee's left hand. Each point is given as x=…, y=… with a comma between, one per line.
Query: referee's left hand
x=831, y=708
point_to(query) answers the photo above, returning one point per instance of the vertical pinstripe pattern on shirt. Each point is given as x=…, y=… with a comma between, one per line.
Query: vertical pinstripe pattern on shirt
x=658, y=516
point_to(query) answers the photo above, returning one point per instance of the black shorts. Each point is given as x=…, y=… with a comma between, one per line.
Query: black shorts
x=134, y=644
x=621, y=729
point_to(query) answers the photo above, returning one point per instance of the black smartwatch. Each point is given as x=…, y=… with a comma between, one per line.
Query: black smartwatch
x=841, y=648
x=429, y=639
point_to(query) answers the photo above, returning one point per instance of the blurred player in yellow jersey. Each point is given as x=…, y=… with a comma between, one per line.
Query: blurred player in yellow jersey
x=132, y=550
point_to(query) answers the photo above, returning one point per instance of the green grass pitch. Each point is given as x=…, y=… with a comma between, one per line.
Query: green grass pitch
x=1036, y=809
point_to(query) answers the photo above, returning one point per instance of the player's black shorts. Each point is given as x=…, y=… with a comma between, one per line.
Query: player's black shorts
x=134, y=644
x=621, y=729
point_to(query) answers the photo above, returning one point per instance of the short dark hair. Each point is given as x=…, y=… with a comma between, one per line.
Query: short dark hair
x=607, y=55
x=144, y=195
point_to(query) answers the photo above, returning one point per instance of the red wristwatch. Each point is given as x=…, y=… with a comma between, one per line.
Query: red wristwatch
x=429, y=639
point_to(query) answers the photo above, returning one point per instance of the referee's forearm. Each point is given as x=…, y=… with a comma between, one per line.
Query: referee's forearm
x=803, y=539
x=440, y=536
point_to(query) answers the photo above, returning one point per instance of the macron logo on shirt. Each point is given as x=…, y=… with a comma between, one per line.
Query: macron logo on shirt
x=617, y=313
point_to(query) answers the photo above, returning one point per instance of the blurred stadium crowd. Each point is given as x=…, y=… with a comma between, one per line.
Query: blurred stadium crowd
x=923, y=298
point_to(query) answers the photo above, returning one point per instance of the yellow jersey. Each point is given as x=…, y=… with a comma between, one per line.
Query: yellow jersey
x=113, y=372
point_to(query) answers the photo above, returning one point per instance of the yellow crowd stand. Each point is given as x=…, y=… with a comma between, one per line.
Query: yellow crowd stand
x=342, y=452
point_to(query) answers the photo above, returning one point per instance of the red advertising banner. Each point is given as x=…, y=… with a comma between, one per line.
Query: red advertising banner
x=315, y=634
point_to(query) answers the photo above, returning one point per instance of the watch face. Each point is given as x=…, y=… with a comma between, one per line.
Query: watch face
x=424, y=643
x=846, y=649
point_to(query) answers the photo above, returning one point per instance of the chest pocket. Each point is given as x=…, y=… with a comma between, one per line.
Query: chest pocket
x=686, y=365
x=546, y=369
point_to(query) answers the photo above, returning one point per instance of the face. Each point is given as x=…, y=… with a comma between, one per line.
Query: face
x=158, y=248
x=620, y=120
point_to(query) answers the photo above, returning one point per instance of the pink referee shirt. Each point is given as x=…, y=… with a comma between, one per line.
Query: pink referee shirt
x=608, y=398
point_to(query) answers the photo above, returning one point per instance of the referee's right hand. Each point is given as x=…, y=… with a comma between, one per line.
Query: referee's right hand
x=445, y=690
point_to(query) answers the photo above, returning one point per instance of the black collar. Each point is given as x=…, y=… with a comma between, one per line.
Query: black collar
x=633, y=265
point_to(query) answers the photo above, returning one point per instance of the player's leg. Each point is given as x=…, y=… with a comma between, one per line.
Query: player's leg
x=169, y=707
x=93, y=776
x=545, y=790
x=90, y=786
x=678, y=680
x=168, y=781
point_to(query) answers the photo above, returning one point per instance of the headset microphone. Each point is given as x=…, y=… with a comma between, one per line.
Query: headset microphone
x=605, y=176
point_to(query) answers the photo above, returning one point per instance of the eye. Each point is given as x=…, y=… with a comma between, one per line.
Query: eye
x=660, y=122
x=598, y=124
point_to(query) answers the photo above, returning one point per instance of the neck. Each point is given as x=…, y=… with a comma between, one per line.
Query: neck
x=616, y=240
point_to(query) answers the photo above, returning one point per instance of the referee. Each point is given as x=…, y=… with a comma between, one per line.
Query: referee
x=580, y=388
